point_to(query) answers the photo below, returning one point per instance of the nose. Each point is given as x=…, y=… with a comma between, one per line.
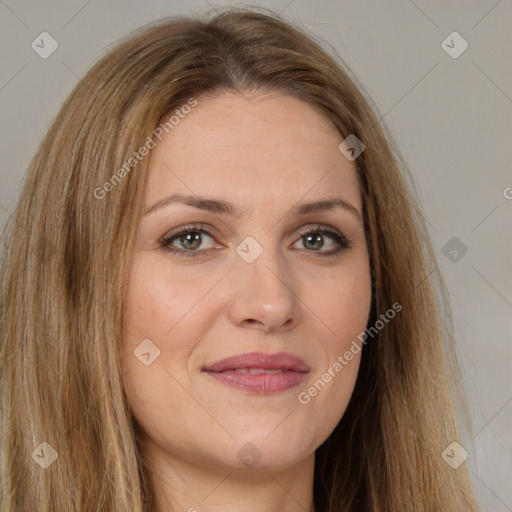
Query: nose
x=264, y=294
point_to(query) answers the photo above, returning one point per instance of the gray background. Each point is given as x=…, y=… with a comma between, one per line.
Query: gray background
x=452, y=119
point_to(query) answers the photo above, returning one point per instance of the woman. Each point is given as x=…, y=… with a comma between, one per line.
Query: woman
x=219, y=293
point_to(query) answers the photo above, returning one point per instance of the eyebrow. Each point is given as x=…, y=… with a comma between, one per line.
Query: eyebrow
x=222, y=207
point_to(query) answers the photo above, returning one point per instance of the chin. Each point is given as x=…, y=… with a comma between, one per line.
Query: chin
x=268, y=451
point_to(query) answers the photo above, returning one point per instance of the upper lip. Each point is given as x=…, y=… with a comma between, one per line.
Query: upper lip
x=281, y=360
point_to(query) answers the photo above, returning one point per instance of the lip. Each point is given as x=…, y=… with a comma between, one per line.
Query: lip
x=249, y=371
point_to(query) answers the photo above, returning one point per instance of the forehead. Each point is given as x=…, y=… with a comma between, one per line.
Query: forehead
x=252, y=148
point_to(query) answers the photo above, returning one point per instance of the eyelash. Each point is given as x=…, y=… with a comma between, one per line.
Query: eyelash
x=339, y=239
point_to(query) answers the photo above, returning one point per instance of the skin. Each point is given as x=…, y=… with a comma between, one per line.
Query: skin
x=265, y=153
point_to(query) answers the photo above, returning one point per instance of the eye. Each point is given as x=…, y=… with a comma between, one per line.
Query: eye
x=186, y=241
x=313, y=239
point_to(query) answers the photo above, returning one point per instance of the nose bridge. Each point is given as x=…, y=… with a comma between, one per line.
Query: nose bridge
x=263, y=289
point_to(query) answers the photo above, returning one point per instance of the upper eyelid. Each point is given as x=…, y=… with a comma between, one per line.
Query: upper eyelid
x=203, y=228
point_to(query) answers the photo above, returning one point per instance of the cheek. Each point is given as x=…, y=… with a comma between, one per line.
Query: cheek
x=157, y=300
x=156, y=306
x=343, y=306
x=328, y=397
x=152, y=311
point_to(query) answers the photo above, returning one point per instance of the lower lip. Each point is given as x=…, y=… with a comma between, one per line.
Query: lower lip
x=262, y=383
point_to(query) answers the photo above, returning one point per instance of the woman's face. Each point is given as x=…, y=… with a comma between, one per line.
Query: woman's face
x=242, y=264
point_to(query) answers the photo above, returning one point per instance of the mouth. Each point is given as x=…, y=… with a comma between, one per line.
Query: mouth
x=260, y=373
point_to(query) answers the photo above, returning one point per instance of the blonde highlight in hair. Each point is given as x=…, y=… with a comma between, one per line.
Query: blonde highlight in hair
x=66, y=262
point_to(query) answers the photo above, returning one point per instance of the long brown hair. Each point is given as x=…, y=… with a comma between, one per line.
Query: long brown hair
x=68, y=251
